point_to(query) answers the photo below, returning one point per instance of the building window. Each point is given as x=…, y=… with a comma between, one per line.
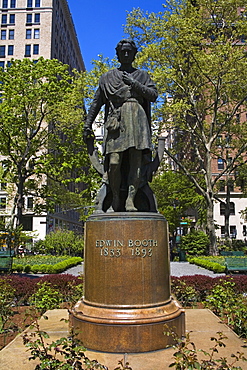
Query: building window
x=37, y=18
x=29, y=18
x=29, y=3
x=220, y=164
x=30, y=203
x=12, y=18
x=37, y=3
x=28, y=33
x=231, y=209
x=244, y=230
x=9, y=63
x=11, y=34
x=3, y=34
x=27, y=223
x=10, y=49
x=222, y=209
x=233, y=232
x=36, y=34
x=222, y=231
x=3, y=203
x=27, y=50
x=5, y=4
x=36, y=49
x=2, y=65
x=2, y=51
x=4, y=18
x=12, y=3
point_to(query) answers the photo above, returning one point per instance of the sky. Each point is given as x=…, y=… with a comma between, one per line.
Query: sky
x=99, y=24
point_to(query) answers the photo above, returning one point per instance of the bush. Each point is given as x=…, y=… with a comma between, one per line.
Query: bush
x=66, y=284
x=229, y=305
x=212, y=266
x=17, y=267
x=61, y=242
x=7, y=294
x=46, y=297
x=195, y=243
x=46, y=268
x=27, y=269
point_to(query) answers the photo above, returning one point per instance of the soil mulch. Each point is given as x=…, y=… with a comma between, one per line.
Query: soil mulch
x=16, y=324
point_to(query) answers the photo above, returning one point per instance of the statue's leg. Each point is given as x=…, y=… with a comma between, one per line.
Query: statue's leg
x=115, y=178
x=135, y=160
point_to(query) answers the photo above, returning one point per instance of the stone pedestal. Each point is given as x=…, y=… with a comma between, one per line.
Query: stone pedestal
x=127, y=297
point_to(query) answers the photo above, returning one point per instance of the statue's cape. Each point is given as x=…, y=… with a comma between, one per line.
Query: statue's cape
x=114, y=89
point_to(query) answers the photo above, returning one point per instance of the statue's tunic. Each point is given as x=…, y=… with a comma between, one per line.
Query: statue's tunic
x=131, y=107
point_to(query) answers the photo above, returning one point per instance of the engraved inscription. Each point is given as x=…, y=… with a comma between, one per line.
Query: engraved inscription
x=137, y=247
x=110, y=252
x=109, y=243
x=143, y=243
x=142, y=252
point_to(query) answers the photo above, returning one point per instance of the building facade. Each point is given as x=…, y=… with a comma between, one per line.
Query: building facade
x=31, y=29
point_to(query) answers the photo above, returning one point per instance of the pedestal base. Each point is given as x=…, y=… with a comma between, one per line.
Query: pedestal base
x=127, y=330
x=127, y=305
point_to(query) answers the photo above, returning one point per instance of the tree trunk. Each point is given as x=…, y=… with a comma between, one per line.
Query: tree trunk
x=213, y=250
x=20, y=201
x=227, y=211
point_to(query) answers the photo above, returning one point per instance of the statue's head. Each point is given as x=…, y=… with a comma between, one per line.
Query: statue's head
x=126, y=44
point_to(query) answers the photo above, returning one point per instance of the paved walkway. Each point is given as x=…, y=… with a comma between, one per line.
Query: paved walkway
x=201, y=323
x=177, y=269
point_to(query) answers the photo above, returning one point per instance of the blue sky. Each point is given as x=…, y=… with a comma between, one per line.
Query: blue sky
x=99, y=24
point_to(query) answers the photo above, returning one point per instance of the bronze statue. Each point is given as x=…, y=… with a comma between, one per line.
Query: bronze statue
x=126, y=93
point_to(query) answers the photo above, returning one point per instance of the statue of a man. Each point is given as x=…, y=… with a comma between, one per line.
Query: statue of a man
x=126, y=93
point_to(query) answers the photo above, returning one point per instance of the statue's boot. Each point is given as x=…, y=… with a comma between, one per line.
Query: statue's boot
x=129, y=204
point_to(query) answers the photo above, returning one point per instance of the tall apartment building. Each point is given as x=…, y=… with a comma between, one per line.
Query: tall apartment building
x=31, y=29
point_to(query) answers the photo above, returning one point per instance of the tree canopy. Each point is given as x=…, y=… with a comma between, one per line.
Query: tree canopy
x=196, y=53
x=41, y=123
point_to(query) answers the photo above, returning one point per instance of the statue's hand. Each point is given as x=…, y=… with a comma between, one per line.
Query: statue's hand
x=87, y=134
x=127, y=78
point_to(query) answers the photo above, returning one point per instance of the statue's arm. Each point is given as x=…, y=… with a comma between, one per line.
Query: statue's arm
x=149, y=91
x=145, y=87
x=92, y=114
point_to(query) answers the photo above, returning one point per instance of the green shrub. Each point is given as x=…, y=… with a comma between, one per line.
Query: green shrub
x=35, y=268
x=229, y=305
x=27, y=269
x=185, y=294
x=61, y=242
x=195, y=243
x=188, y=357
x=212, y=266
x=45, y=298
x=17, y=267
x=7, y=294
x=57, y=268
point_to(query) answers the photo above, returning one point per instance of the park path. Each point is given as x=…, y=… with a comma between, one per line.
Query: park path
x=177, y=269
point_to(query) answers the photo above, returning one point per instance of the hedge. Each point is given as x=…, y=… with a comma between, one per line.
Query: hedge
x=213, y=266
x=48, y=269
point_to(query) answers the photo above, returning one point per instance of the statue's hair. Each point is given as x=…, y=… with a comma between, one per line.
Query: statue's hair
x=126, y=41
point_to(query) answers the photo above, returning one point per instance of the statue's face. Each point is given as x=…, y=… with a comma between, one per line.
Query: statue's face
x=126, y=54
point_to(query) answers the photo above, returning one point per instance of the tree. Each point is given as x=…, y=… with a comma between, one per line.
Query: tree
x=195, y=52
x=41, y=119
x=175, y=196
